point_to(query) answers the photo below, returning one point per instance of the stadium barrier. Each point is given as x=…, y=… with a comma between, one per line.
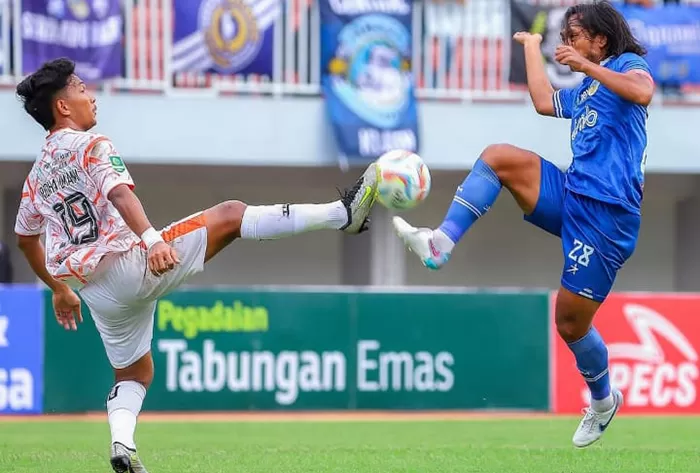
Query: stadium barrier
x=653, y=342
x=461, y=50
x=21, y=349
x=274, y=350
x=262, y=350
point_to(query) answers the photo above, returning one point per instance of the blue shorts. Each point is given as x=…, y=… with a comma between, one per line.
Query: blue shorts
x=597, y=237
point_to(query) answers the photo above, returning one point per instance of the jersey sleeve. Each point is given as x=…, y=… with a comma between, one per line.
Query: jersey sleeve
x=632, y=62
x=564, y=103
x=29, y=221
x=104, y=165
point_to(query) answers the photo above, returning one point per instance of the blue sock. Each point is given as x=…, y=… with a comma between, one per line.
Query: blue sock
x=592, y=362
x=473, y=199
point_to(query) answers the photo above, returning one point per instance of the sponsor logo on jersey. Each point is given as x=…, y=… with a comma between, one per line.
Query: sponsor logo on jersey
x=117, y=163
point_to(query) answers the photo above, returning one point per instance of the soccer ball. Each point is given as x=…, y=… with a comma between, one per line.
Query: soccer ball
x=404, y=180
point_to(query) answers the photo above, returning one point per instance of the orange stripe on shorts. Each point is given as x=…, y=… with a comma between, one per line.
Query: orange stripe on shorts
x=182, y=228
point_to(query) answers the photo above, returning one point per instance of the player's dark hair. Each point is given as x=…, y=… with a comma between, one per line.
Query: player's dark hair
x=37, y=91
x=602, y=18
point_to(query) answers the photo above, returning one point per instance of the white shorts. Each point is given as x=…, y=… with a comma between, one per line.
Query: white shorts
x=122, y=294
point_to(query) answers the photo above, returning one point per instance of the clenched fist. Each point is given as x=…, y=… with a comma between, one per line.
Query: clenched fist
x=523, y=37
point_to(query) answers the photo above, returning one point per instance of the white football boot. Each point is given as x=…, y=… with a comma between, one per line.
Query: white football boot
x=359, y=199
x=594, y=424
x=125, y=460
x=423, y=243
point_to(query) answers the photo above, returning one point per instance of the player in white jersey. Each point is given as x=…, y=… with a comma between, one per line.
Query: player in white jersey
x=100, y=242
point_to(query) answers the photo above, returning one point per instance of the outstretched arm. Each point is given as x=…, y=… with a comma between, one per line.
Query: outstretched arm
x=129, y=207
x=110, y=174
x=112, y=177
x=636, y=85
x=541, y=90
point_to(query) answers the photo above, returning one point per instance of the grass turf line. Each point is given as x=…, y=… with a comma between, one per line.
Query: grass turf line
x=632, y=445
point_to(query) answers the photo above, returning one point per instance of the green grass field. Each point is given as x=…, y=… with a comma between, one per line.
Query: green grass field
x=632, y=445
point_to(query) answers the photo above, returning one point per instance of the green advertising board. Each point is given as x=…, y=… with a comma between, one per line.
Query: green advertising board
x=274, y=350
x=77, y=374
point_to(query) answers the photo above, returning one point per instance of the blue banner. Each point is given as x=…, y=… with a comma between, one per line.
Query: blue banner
x=89, y=33
x=366, y=76
x=672, y=36
x=224, y=36
x=21, y=349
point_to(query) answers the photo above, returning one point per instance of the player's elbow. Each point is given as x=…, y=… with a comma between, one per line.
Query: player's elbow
x=119, y=195
x=644, y=96
x=544, y=107
x=544, y=103
x=543, y=100
x=642, y=93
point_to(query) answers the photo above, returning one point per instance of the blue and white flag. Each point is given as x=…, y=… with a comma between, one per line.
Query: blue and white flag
x=224, y=36
x=366, y=76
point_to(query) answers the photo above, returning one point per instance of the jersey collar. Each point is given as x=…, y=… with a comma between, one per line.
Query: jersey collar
x=55, y=132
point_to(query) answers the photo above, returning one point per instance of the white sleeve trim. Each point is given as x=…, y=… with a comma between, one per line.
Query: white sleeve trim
x=558, y=109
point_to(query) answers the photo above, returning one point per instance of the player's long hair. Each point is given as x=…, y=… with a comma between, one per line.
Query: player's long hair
x=601, y=18
x=38, y=90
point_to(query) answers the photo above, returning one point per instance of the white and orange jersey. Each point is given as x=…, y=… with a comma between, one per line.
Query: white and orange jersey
x=66, y=195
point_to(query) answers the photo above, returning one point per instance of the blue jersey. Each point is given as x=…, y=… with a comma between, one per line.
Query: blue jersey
x=608, y=138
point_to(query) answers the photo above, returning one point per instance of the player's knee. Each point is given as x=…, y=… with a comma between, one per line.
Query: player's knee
x=141, y=372
x=504, y=159
x=144, y=378
x=570, y=326
x=232, y=214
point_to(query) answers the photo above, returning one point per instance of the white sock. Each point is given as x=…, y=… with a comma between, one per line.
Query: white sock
x=123, y=406
x=442, y=242
x=603, y=405
x=270, y=222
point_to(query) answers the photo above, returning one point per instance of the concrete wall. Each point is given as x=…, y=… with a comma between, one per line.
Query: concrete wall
x=294, y=131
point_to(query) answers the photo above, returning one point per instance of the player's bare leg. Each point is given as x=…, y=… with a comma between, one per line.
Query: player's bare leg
x=234, y=219
x=516, y=169
x=574, y=320
x=226, y=222
x=123, y=407
x=520, y=171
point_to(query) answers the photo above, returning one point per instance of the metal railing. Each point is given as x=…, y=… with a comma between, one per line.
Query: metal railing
x=461, y=50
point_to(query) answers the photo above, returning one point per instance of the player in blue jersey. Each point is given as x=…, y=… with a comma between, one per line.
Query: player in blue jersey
x=595, y=207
